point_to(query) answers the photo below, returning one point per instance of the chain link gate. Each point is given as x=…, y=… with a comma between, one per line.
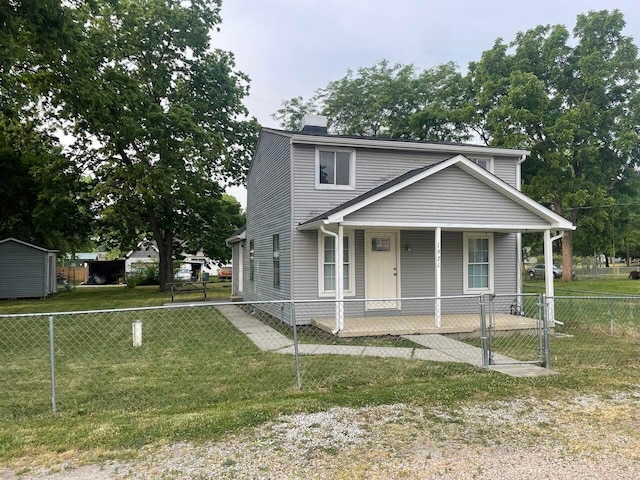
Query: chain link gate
x=514, y=330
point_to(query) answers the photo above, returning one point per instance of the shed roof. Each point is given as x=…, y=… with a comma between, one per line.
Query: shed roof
x=30, y=245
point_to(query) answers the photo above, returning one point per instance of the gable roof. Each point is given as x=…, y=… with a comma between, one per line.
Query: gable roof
x=338, y=214
x=11, y=239
x=238, y=235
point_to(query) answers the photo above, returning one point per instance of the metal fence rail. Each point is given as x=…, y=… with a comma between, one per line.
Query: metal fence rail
x=193, y=356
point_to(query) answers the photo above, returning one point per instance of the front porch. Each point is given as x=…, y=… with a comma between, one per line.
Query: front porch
x=462, y=325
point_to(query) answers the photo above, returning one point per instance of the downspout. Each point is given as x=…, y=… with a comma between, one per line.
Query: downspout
x=339, y=279
x=548, y=273
x=520, y=260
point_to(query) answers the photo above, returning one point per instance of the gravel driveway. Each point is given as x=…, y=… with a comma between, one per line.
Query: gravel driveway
x=586, y=437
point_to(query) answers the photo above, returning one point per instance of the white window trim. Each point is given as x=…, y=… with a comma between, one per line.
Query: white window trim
x=465, y=263
x=352, y=169
x=352, y=268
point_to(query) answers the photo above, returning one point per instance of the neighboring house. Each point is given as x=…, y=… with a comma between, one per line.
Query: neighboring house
x=26, y=270
x=334, y=217
x=145, y=253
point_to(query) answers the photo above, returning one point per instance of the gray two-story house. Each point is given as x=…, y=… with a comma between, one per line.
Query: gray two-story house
x=341, y=218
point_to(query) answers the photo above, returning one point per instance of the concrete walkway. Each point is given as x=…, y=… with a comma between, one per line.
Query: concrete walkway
x=438, y=347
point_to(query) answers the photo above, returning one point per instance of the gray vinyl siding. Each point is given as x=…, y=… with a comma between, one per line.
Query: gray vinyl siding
x=309, y=202
x=24, y=270
x=269, y=213
x=417, y=275
x=417, y=267
x=451, y=196
x=505, y=169
x=373, y=167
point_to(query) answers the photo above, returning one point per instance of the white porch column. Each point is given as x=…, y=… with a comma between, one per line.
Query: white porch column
x=548, y=275
x=438, y=292
x=340, y=277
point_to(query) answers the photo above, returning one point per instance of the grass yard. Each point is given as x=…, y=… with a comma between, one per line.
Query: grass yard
x=621, y=285
x=108, y=297
x=195, y=377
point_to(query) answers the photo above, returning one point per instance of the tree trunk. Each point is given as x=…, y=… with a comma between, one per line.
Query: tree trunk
x=165, y=268
x=164, y=239
x=567, y=255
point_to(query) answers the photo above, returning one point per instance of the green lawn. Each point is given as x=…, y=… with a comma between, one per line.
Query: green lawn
x=107, y=297
x=621, y=285
x=195, y=377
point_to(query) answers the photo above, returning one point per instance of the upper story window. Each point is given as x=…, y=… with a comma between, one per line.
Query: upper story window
x=484, y=162
x=335, y=169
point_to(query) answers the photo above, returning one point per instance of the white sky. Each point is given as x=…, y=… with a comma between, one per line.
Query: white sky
x=293, y=47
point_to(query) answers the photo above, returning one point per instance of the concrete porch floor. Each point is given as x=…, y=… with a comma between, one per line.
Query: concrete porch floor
x=454, y=325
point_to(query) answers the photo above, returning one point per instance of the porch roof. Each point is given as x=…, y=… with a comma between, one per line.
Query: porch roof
x=533, y=216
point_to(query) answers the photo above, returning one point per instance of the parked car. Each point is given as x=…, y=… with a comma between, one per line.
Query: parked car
x=538, y=271
x=183, y=274
x=225, y=273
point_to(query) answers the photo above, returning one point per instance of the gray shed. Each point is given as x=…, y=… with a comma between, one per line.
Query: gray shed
x=26, y=270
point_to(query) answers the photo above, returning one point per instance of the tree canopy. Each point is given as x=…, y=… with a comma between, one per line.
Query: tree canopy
x=387, y=100
x=574, y=103
x=156, y=117
x=45, y=199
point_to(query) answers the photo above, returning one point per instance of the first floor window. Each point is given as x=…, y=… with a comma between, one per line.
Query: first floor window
x=327, y=265
x=252, y=261
x=276, y=260
x=478, y=263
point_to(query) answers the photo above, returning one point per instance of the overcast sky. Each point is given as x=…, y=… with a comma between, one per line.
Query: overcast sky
x=293, y=47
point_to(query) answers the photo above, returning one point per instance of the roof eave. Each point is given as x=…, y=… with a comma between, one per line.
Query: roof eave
x=404, y=145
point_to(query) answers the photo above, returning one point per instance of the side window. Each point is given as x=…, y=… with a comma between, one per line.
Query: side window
x=276, y=260
x=252, y=261
x=335, y=169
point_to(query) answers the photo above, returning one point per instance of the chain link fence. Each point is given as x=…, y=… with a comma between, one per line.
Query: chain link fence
x=592, y=331
x=188, y=357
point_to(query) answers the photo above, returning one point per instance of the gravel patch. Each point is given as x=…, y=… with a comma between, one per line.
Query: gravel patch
x=585, y=437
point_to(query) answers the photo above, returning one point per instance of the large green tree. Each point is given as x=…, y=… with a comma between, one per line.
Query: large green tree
x=159, y=117
x=43, y=198
x=396, y=101
x=574, y=103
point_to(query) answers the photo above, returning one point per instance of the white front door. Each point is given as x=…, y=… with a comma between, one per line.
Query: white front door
x=381, y=265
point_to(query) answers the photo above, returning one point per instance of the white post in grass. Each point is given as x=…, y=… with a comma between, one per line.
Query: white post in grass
x=137, y=333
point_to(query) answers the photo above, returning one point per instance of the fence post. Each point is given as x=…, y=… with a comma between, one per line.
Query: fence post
x=52, y=362
x=483, y=334
x=545, y=330
x=296, y=355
